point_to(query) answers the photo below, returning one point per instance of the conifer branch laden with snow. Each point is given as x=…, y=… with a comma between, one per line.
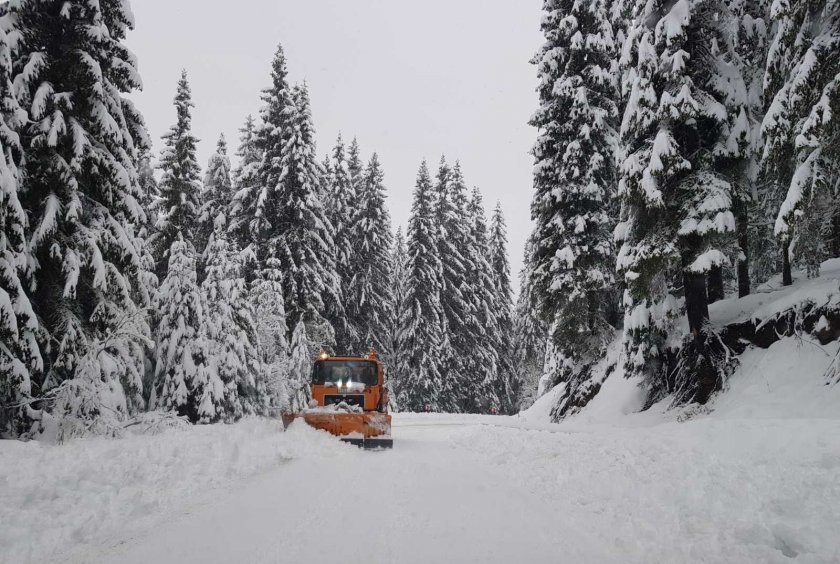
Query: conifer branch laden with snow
x=80, y=140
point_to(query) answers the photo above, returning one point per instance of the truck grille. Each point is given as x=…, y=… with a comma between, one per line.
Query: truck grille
x=349, y=399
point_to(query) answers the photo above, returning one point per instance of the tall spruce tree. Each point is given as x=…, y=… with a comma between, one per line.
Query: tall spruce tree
x=574, y=178
x=452, y=242
x=272, y=331
x=303, y=242
x=20, y=354
x=801, y=125
x=529, y=334
x=259, y=200
x=230, y=330
x=245, y=180
x=743, y=74
x=340, y=200
x=368, y=297
x=178, y=208
x=395, y=352
x=483, y=382
x=80, y=146
x=422, y=385
x=355, y=167
x=216, y=195
x=509, y=380
x=676, y=215
x=184, y=382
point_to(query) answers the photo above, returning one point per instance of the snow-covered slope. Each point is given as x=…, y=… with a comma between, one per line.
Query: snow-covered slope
x=772, y=298
x=786, y=380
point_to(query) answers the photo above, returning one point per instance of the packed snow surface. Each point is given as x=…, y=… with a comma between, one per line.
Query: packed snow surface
x=754, y=480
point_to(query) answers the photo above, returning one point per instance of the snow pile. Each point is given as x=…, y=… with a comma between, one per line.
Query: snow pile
x=86, y=491
x=785, y=381
x=341, y=407
x=771, y=299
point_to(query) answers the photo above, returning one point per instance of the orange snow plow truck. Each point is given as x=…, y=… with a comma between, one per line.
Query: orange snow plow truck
x=349, y=400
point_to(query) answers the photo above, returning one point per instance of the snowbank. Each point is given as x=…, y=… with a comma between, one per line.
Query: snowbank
x=52, y=497
x=772, y=298
x=786, y=380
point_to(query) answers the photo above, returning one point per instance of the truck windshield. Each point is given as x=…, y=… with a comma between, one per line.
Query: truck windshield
x=333, y=371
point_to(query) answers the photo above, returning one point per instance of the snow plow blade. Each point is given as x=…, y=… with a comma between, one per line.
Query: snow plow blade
x=369, y=430
x=373, y=443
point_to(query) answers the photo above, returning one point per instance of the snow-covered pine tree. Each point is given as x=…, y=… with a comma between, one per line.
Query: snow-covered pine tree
x=368, y=298
x=20, y=354
x=340, y=199
x=215, y=196
x=327, y=171
x=741, y=75
x=245, y=184
x=509, y=379
x=529, y=334
x=261, y=205
x=676, y=216
x=178, y=207
x=302, y=238
x=272, y=332
x=355, y=166
x=184, y=380
x=150, y=196
x=230, y=331
x=801, y=125
x=484, y=379
x=458, y=395
x=422, y=385
x=81, y=144
x=574, y=178
x=394, y=353
x=300, y=366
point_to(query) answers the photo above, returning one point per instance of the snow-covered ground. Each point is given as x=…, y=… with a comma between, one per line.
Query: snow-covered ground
x=755, y=480
x=754, y=477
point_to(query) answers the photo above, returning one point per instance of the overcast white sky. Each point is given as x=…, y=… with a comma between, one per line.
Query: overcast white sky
x=411, y=80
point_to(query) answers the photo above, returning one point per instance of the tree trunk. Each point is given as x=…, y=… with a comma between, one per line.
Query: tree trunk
x=744, y=258
x=696, y=303
x=835, y=234
x=715, y=284
x=787, y=277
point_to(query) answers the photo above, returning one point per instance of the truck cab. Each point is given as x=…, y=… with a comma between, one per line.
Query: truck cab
x=354, y=381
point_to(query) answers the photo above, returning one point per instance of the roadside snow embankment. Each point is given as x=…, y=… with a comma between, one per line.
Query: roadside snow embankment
x=52, y=497
x=750, y=477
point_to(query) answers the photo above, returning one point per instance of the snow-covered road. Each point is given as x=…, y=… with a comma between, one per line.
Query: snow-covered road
x=425, y=501
x=471, y=489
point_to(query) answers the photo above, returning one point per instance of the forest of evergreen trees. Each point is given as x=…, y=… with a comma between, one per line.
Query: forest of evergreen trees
x=129, y=283
x=688, y=151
